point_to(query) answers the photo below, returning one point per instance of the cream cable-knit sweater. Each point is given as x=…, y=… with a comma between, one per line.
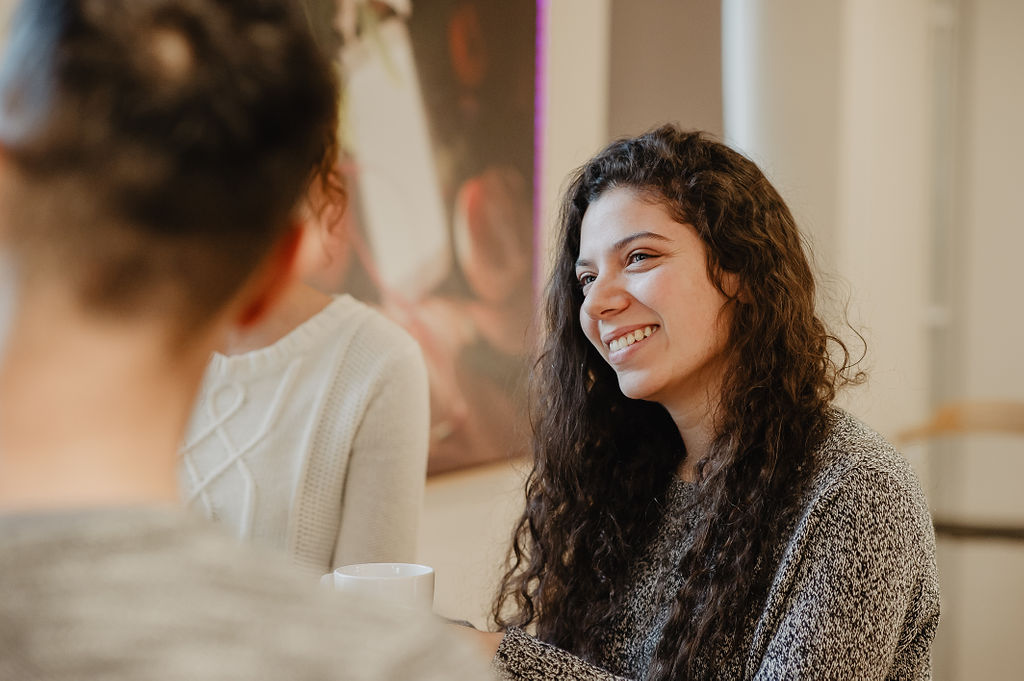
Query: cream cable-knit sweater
x=316, y=445
x=854, y=595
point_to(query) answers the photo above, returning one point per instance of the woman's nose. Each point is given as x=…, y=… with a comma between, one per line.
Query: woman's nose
x=605, y=297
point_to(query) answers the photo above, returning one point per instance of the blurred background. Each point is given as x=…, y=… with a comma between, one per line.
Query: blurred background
x=892, y=128
x=893, y=131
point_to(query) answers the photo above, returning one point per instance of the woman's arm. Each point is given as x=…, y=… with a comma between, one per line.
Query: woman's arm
x=861, y=594
x=387, y=468
x=522, y=657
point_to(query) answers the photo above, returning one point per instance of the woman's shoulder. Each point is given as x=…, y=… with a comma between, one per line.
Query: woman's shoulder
x=855, y=461
x=851, y=445
x=355, y=328
x=376, y=331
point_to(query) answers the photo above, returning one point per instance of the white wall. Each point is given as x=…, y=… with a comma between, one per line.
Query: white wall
x=981, y=475
x=993, y=224
x=883, y=218
x=780, y=67
x=921, y=101
x=576, y=95
x=831, y=100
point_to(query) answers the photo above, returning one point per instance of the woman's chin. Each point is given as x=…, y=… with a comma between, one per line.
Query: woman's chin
x=635, y=389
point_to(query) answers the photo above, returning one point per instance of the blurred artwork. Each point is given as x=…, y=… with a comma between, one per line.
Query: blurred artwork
x=438, y=137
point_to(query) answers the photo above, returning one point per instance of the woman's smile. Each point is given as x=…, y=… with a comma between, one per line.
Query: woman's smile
x=624, y=341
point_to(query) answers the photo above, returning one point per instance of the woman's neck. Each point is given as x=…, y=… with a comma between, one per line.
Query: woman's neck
x=299, y=303
x=697, y=439
x=92, y=413
x=695, y=420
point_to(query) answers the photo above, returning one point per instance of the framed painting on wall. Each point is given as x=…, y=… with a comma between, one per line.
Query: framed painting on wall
x=438, y=137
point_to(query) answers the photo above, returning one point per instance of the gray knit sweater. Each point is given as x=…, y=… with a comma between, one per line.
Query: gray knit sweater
x=854, y=595
x=153, y=594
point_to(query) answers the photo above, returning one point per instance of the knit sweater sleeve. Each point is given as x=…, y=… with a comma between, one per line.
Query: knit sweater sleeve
x=853, y=596
x=522, y=657
x=387, y=466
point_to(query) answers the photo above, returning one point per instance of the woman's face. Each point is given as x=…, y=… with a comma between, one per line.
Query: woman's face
x=649, y=307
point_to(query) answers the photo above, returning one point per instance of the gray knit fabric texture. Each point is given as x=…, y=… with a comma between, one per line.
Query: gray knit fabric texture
x=155, y=595
x=854, y=595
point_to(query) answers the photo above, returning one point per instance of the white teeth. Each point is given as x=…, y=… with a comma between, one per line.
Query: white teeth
x=629, y=338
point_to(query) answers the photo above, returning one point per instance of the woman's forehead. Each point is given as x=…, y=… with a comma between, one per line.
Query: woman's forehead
x=623, y=214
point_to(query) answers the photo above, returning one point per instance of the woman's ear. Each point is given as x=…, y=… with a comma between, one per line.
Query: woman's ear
x=312, y=249
x=273, y=277
x=326, y=248
x=326, y=201
x=733, y=288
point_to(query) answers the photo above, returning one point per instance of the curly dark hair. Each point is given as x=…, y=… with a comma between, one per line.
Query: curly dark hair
x=593, y=495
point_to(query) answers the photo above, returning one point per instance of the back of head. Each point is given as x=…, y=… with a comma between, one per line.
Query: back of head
x=155, y=149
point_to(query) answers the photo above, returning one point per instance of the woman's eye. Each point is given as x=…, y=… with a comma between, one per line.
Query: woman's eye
x=638, y=257
x=586, y=280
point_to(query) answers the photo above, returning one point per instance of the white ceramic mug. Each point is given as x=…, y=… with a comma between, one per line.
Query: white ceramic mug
x=404, y=584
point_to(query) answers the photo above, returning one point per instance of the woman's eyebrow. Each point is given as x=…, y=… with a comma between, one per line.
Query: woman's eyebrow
x=625, y=241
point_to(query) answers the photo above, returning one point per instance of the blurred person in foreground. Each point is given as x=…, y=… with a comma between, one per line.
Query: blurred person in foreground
x=152, y=157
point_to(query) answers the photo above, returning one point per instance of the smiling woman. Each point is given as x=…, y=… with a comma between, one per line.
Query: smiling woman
x=636, y=264
x=697, y=508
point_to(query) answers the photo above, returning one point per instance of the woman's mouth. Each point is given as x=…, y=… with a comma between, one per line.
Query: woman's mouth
x=632, y=338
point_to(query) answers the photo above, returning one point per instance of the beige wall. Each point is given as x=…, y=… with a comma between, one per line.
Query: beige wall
x=665, y=65
x=576, y=89
x=993, y=233
x=831, y=99
x=981, y=475
x=882, y=217
x=781, y=104
x=906, y=176
x=464, y=534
